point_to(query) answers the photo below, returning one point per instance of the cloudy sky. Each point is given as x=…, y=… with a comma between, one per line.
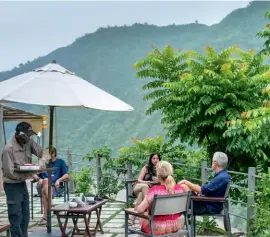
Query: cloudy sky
x=35, y=28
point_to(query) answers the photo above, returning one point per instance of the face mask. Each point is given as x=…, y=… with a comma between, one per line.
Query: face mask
x=23, y=138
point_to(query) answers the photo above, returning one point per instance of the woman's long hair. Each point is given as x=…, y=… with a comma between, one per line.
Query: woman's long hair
x=150, y=166
x=165, y=173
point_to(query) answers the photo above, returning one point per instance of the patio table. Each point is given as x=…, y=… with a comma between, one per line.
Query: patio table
x=83, y=212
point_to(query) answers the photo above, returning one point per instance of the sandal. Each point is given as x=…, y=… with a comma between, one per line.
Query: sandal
x=43, y=221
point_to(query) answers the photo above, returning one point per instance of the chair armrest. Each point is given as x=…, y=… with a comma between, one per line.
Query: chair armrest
x=4, y=228
x=207, y=199
x=131, y=211
x=66, y=180
x=131, y=181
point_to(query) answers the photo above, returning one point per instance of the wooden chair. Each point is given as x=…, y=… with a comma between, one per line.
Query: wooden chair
x=65, y=193
x=224, y=213
x=128, y=185
x=162, y=205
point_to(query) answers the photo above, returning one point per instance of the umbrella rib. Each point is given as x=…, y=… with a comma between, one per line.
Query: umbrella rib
x=63, y=75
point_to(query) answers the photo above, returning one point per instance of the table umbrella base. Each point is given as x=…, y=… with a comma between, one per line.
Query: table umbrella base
x=43, y=233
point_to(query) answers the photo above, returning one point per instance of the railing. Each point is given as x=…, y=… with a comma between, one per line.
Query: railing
x=74, y=160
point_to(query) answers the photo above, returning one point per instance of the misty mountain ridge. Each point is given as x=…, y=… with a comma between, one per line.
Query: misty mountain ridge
x=105, y=58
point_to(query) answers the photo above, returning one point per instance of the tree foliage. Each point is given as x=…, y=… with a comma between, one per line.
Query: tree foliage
x=138, y=153
x=254, y=124
x=265, y=34
x=109, y=184
x=261, y=223
x=198, y=93
x=252, y=131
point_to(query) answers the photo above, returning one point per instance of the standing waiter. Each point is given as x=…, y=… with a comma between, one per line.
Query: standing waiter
x=19, y=152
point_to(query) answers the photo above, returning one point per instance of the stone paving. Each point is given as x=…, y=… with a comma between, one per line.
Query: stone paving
x=112, y=217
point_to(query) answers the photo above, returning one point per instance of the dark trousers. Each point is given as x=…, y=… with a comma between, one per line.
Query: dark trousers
x=18, y=208
x=198, y=207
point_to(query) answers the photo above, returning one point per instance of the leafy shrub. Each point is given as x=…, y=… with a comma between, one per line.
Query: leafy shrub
x=84, y=180
x=260, y=226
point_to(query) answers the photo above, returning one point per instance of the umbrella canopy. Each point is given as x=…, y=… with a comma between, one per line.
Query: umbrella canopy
x=54, y=85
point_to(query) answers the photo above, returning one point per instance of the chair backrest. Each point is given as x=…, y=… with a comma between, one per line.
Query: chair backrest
x=227, y=190
x=170, y=204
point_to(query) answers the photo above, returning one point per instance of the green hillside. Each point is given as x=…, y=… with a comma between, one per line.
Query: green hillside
x=105, y=58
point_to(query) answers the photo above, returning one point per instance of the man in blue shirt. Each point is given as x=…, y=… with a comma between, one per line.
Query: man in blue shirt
x=215, y=188
x=59, y=175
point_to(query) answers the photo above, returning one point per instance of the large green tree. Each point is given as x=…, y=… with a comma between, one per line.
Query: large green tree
x=254, y=124
x=198, y=94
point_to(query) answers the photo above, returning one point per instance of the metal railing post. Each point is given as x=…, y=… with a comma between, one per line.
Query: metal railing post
x=251, y=198
x=204, y=174
x=70, y=168
x=129, y=177
x=98, y=170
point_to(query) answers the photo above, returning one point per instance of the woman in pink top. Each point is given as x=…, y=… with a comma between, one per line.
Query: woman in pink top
x=164, y=224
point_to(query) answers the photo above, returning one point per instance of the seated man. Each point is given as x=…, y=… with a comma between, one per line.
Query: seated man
x=215, y=188
x=59, y=175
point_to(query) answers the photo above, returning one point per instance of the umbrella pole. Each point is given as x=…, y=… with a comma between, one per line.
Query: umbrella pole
x=49, y=171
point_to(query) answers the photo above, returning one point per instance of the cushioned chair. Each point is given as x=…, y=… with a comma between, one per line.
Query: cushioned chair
x=162, y=205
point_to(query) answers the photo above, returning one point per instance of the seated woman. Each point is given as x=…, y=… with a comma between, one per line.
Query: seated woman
x=164, y=224
x=147, y=178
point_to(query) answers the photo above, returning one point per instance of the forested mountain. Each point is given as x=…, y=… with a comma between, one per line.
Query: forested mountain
x=105, y=58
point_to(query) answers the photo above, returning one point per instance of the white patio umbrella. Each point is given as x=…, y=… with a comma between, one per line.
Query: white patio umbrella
x=55, y=86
